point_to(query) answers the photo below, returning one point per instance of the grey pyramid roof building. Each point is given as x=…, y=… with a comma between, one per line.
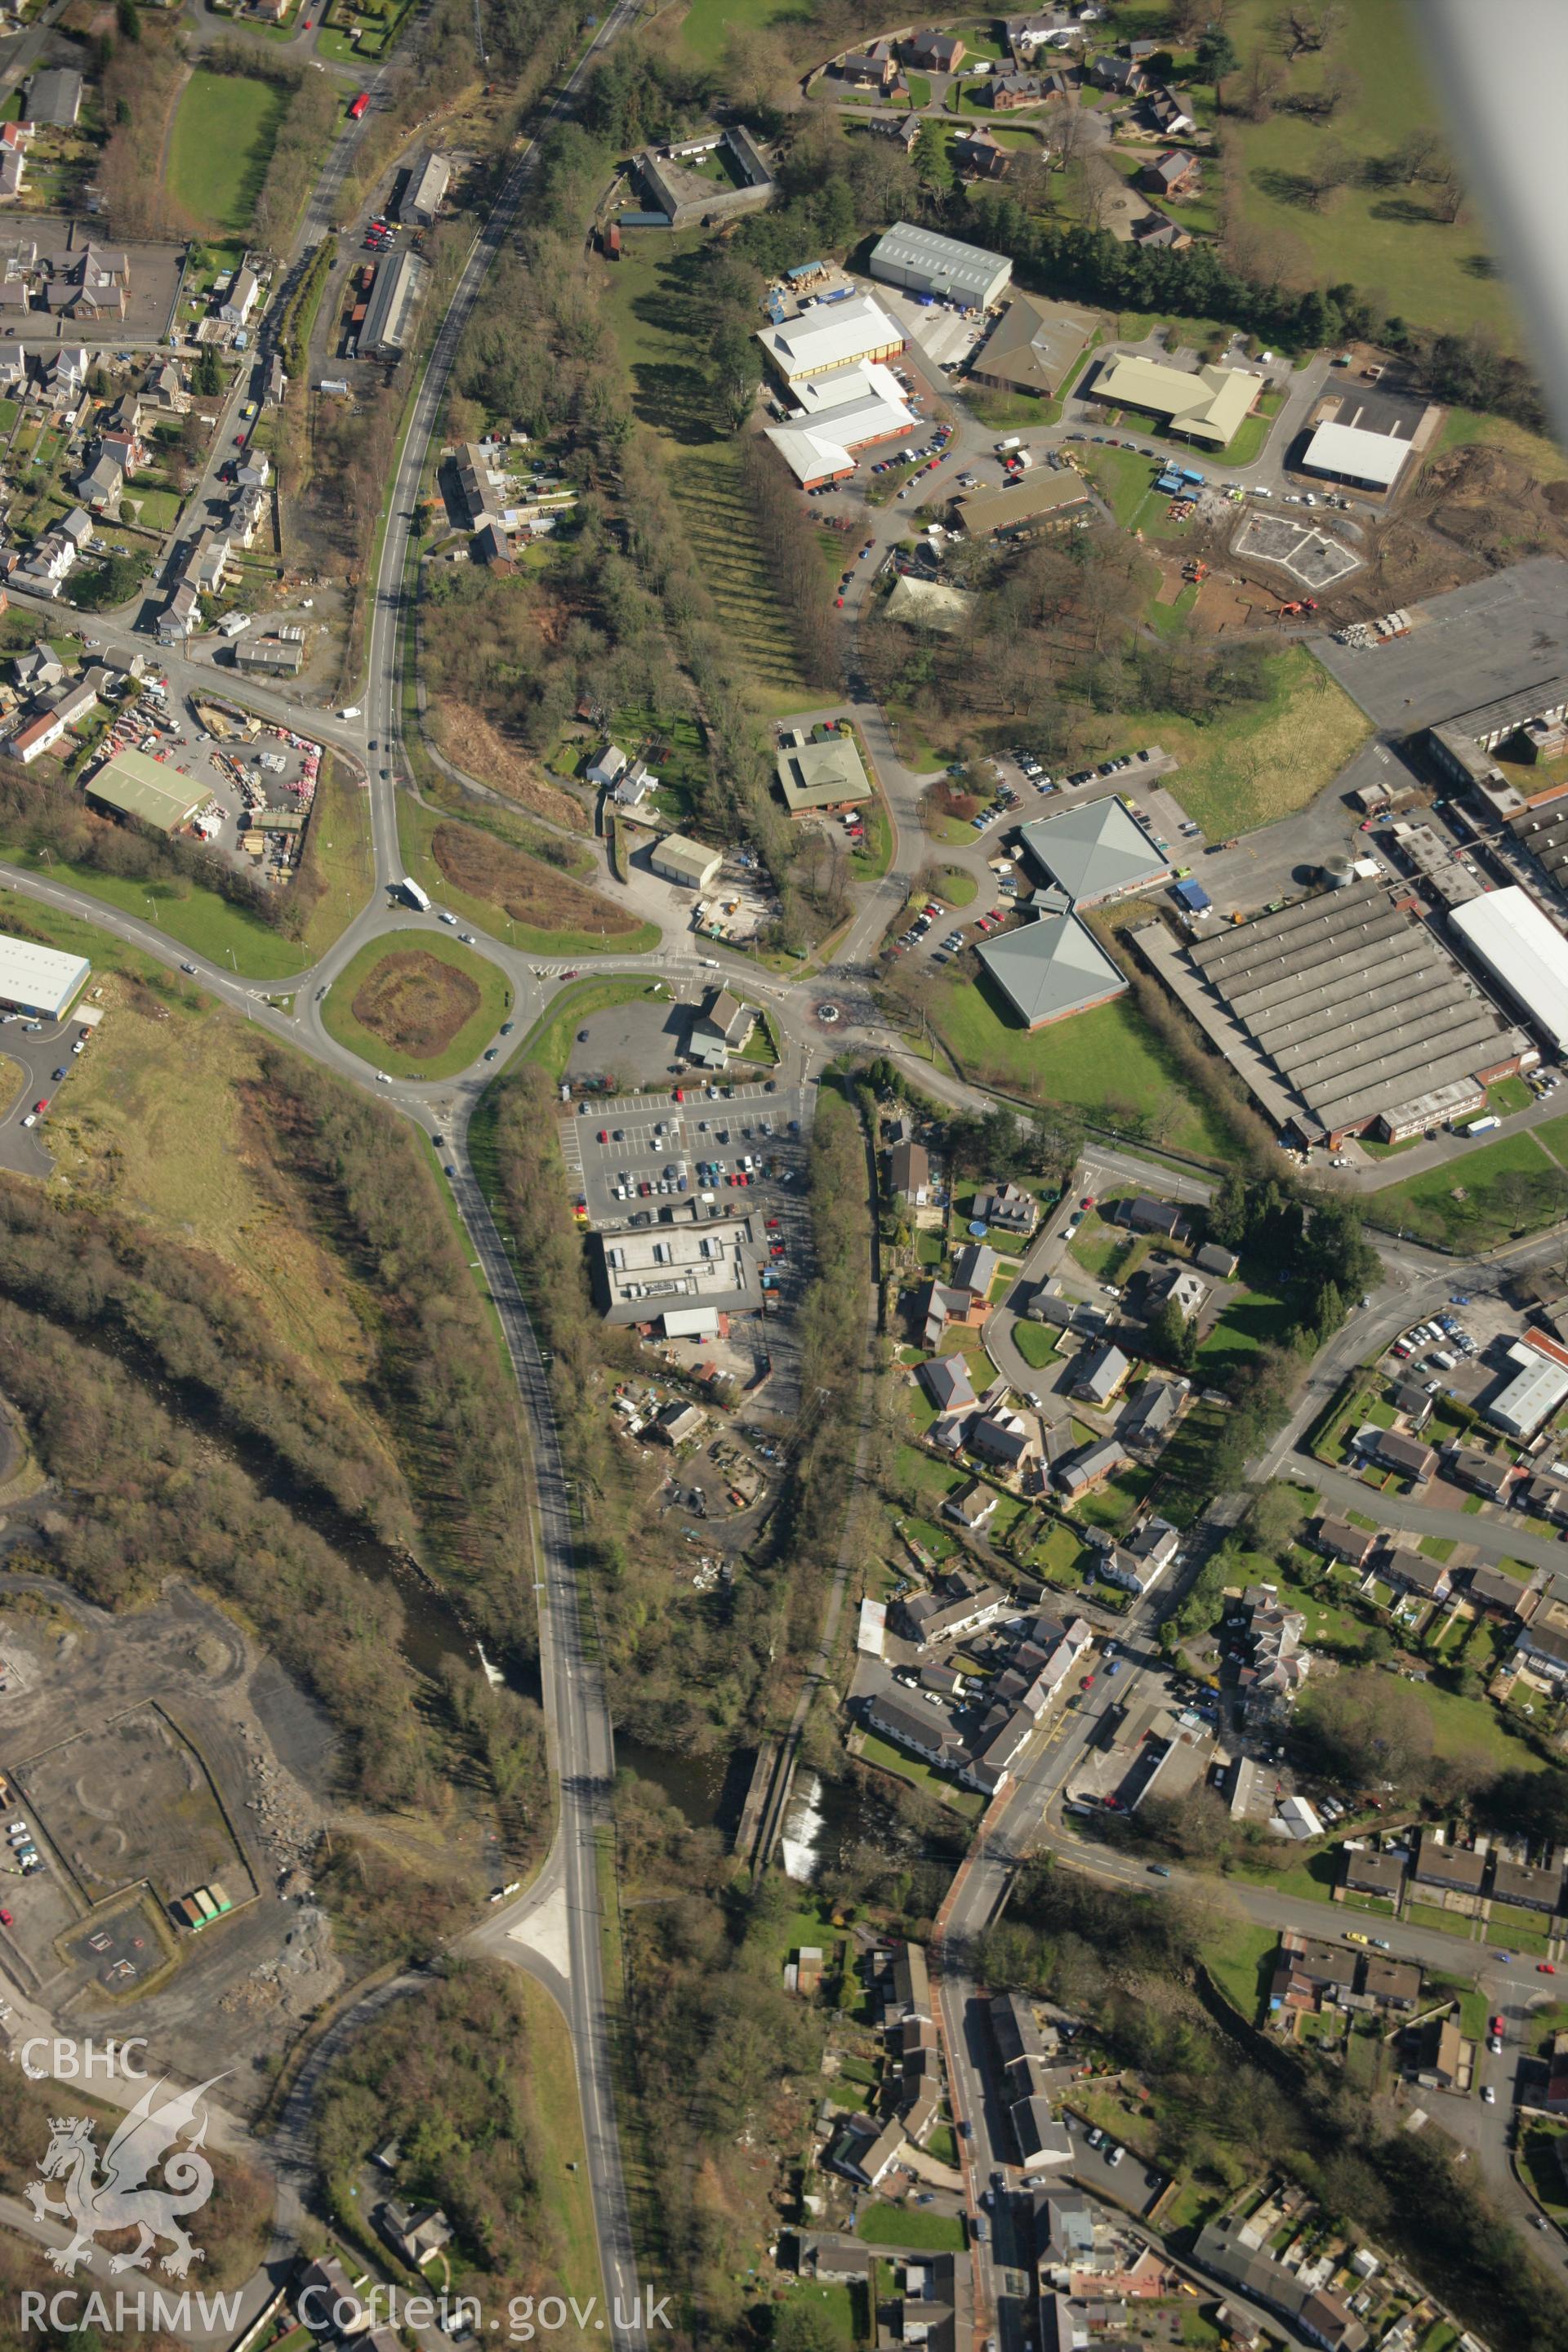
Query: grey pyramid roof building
x=1050, y=967
x=1096, y=851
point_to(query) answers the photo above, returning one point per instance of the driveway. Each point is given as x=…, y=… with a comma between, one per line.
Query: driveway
x=40, y=1054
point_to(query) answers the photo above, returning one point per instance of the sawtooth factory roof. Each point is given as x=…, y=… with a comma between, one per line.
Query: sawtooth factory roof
x=1355, y=1005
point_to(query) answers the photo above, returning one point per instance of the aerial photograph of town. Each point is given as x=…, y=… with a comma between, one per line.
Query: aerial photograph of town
x=784, y=1232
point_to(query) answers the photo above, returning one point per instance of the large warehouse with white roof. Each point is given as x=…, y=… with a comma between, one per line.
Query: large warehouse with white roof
x=1523, y=952
x=919, y=261
x=831, y=335
x=1349, y=452
x=41, y=981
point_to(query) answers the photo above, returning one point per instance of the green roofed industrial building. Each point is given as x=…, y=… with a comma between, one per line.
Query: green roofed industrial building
x=1095, y=852
x=131, y=784
x=822, y=777
x=1051, y=968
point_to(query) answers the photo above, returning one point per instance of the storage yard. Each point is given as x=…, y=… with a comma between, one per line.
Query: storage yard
x=247, y=791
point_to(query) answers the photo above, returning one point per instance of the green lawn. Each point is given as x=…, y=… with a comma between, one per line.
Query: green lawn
x=954, y=888
x=708, y=24
x=1103, y=1061
x=1483, y=1195
x=159, y=509
x=1385, y=239
x=193, y=918
x=225, y=126
x=338, y=855
x=1235, y=1958
x=837, y=2310
x=1505, y=1096
x=882, y=1752
x=1034, y=1342
x=566, y=2203
x=1462, y=1726
x=1553, y=1134
x=1252, y=1319
x=909, y=2225
x=495, y=1003
x=1447, y=1923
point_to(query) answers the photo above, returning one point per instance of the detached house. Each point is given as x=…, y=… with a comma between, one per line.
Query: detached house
x=873, y=69
x=908, y=1174
x=1175, y=174
x=1079, y=1474
x=1100, y=1373
x=935, y=52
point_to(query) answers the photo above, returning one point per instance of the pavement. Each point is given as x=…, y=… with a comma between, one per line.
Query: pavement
x=39, y=1050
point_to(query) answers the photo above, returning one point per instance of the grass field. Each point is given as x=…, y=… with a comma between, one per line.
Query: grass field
x=1103, y=1061
x=225, y=129
x=1253, y=1318
x=1387, y=241
x=338, y=857
x=1511, y=1185
x=882, y=1752
x=193, y=918
x=1235, y=1959
x=1256, y=761
x=708, y=24
x=1035, y=1344
x=495, y=1002
x=153, y=1125
x=654, y=302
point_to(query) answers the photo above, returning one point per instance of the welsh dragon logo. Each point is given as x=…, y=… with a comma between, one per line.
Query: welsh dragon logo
x=121, y=2199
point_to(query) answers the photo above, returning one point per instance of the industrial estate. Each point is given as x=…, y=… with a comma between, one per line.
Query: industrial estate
x=784, y=1234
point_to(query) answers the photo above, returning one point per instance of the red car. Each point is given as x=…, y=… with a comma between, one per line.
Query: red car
x=604, y=1134
x=1086, y=1201
x=680, y=1094
x=1085, y=1682
x=773, y=1224
x=5, y=1919
x=1498, y=2026
x=41, y=1105
x=1545, y=1968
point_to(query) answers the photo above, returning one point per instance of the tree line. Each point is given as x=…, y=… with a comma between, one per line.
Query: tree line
x=438, y=1379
